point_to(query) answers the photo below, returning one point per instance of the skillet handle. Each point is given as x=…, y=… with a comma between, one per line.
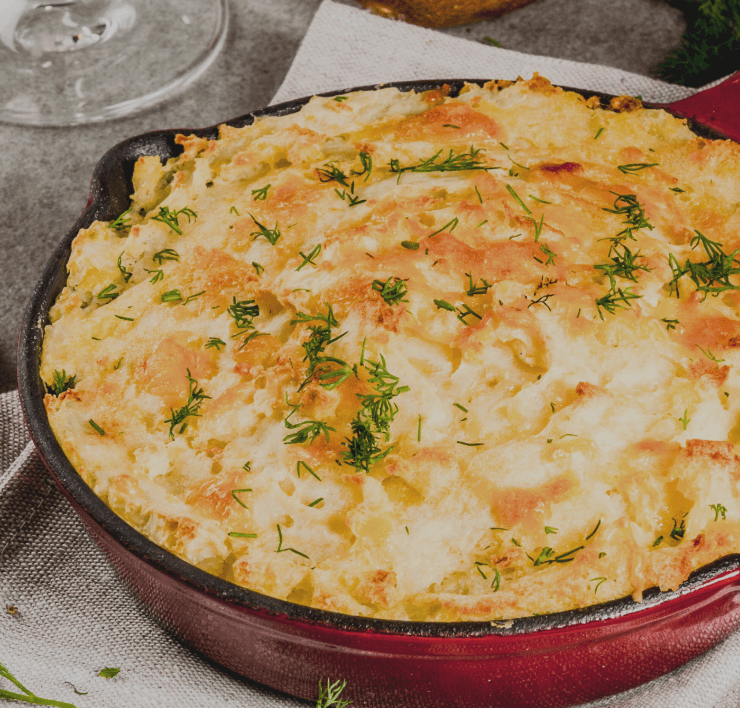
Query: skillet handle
x=717, y=107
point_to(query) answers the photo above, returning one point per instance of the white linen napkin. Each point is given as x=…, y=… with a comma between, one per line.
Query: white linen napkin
x=75, y=617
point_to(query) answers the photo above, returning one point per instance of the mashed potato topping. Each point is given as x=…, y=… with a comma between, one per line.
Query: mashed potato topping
x=418, y=357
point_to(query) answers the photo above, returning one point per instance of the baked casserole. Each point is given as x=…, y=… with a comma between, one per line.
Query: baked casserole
x=418, y=357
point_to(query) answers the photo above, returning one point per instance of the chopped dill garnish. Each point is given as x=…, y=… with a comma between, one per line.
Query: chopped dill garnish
x=315, y=251
x=598, y=582
x=117, y=365
x=624, y=265
x=451, y=224
x=516, y=543
x=239, y=534
x=477, y=191
x=316, y=501
x=474, y=288
x=196, y=396
x=541, y=300
x=329, y=371
x=234, y=210
x=452, y=163
x=550, y=529
x=61, y=382
x=598, y=132
x=537, y=228
x=550, y=254
x=669, y=324
x=521, y=167
x=511, y=191
x=243, y=313
x=351, y=197
x=628, y=206
x=708, y=354
x=171, y=296
x=444, y=305
x=418, y=430
x=280, y=548
x=172, y=218
x=393, y=290
x=308, y=469
x=462, y=408
x=272, y=235
x=367, y=165
x=122, y=221
x=96, y=427
x=718, y=509
x=635, y=167
x=331, y=173
x=496, y=584
x=215, y=342
x=190, y=298
x=537, y=199
x=411, y=245
x=478, y=565
x=711, y=277
x=109, y=672
x=258, y=268
x=685, y=420
x=677, y=189
x=461, y=312
x=544, y=556
x=125, y=273
x=616, y=300
x=168, y=254
x=657, y=541
x=259, y=195
x=329, y=697
x=158, y=275
x=306, y=430
x=469, y=444
x=593, y=533
x=234, y=493
x=485, y=221
x=374, y=418
x=247, y=466
x=340, y=99
x=108, y=293
x=449, y=125
x=679, y=529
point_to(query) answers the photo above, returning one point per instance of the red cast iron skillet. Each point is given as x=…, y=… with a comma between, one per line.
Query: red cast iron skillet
x=551, y=660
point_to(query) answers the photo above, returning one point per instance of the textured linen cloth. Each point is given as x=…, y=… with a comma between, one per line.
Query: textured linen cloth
x=76, y=617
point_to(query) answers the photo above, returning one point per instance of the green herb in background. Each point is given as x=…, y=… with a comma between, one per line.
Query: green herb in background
x=329, y=697
x=28, y=697
x=710, y=47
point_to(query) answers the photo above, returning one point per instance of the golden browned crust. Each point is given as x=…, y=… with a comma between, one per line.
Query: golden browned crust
x=418, y=357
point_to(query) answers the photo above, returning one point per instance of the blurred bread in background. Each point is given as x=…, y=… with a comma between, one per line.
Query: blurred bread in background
x=440, y=13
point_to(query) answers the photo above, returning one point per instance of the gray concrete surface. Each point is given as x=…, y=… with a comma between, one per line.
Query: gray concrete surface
x=45, y=172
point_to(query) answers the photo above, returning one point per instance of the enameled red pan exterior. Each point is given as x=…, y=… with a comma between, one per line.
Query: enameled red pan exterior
x=537, y=662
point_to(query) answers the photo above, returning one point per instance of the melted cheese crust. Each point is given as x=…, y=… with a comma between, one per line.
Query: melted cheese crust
x=600, y=456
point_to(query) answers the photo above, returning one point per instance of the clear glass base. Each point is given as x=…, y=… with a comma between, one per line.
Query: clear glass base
x=68, y=62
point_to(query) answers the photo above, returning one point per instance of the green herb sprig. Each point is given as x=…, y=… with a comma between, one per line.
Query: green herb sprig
x=712, y=276
x=393, y=290
x=27, y=696
x=61, y=382
x=172, y=218
x=196, y=397
x=470, y=160
x=272, y=235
